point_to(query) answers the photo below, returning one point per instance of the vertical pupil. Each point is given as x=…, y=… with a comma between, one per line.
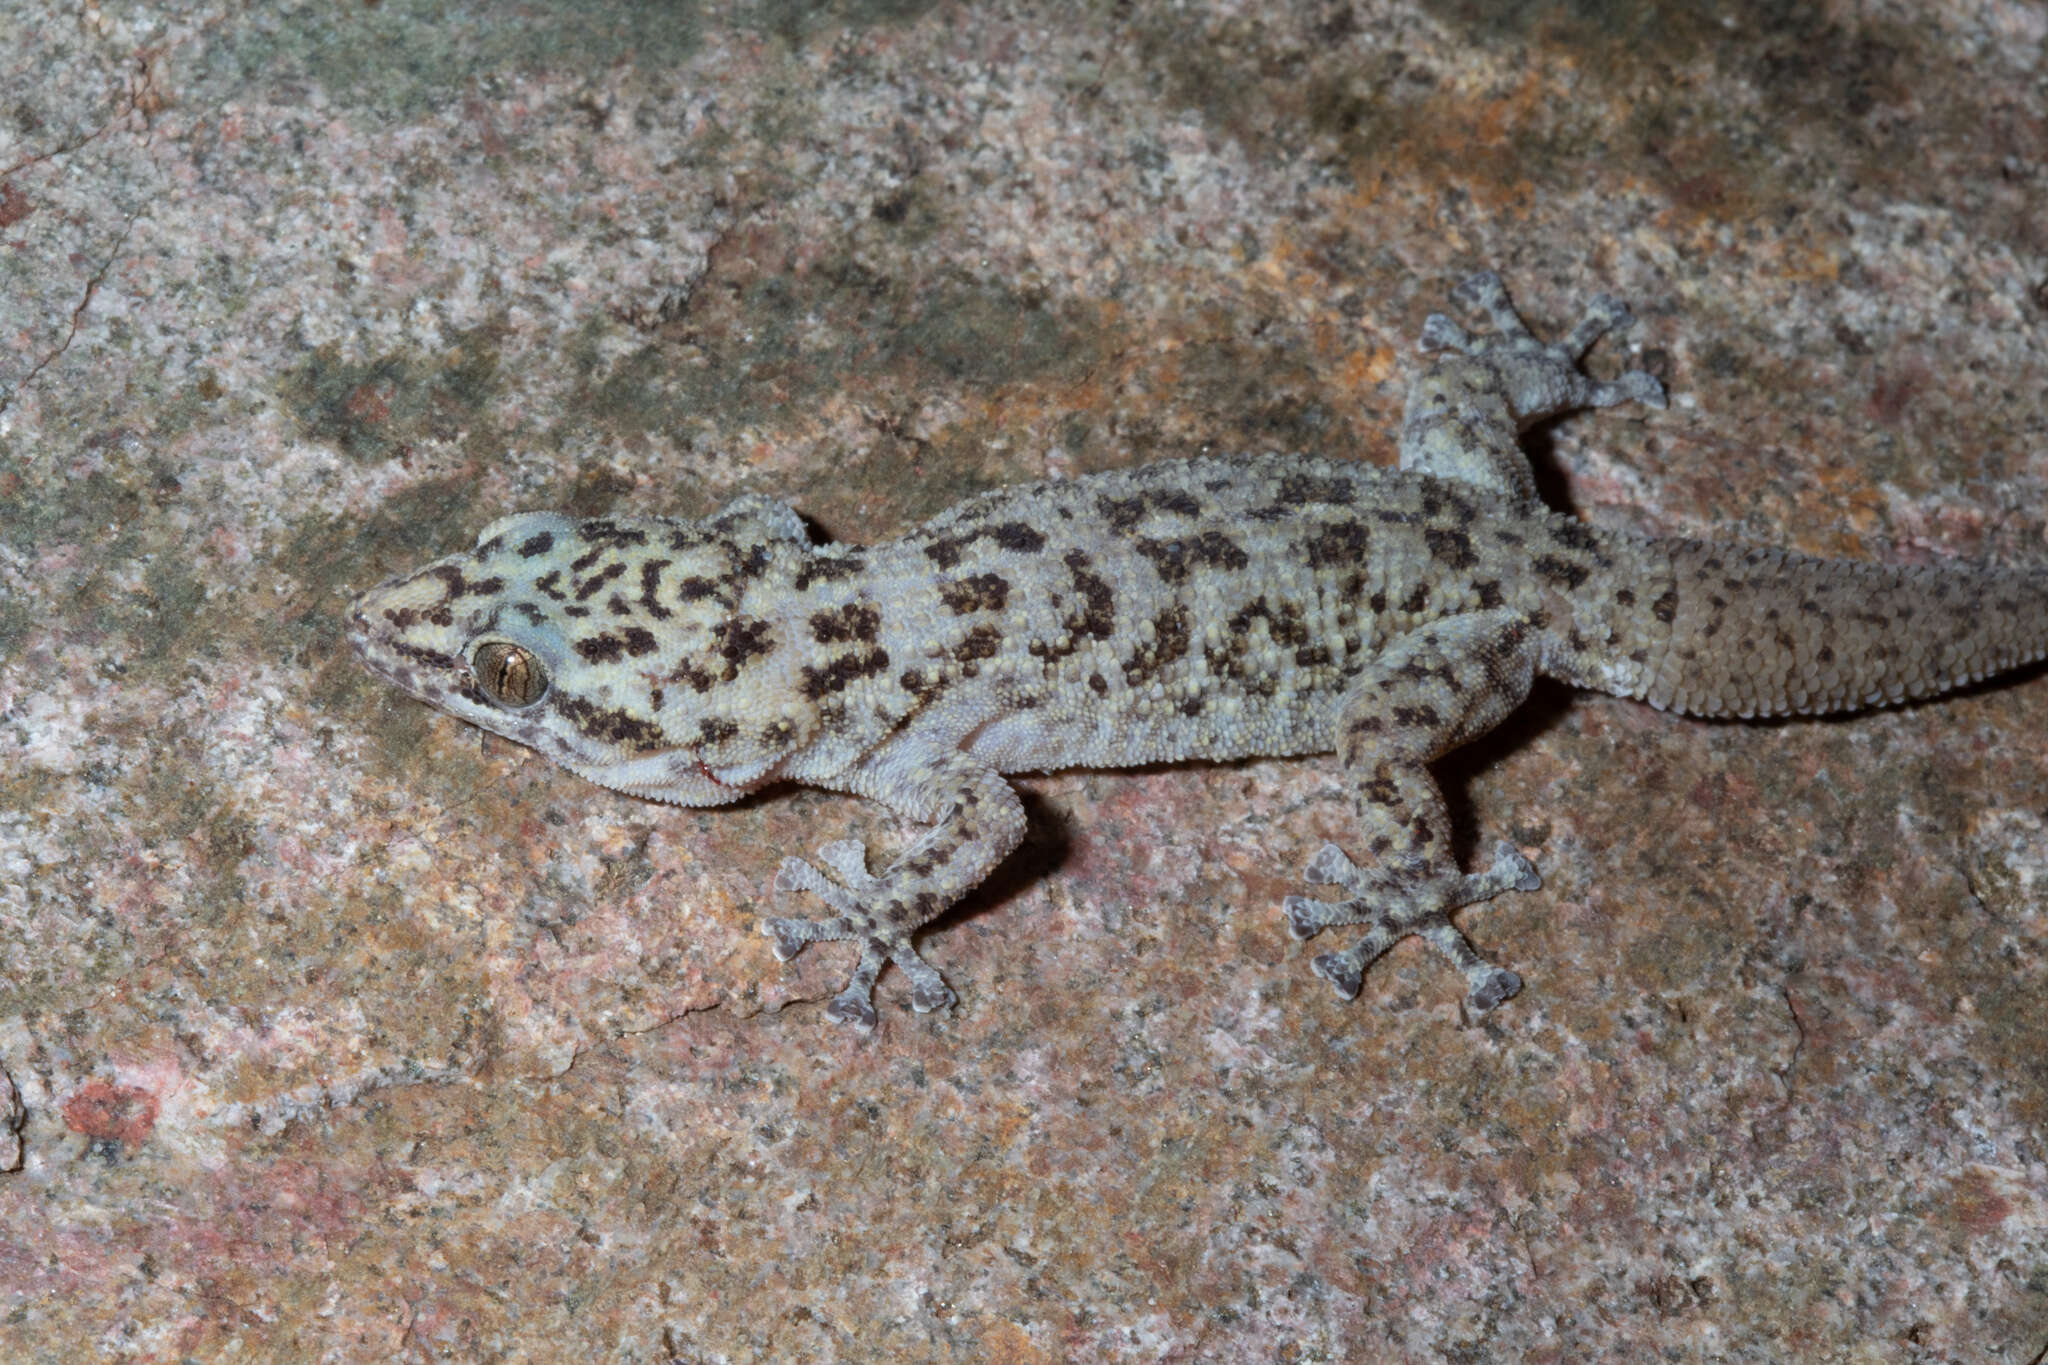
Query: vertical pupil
x=512, y=675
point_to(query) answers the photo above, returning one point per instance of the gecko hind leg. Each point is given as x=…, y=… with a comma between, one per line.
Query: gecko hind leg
x=1397, y=904
x=1427, y=692
x=1542, y=380
x=1466, y=411
x=854, y=888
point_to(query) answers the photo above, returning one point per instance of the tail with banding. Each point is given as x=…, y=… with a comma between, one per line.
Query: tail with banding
x=1764, y=632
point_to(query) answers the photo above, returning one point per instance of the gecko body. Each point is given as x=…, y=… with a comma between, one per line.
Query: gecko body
x=1212, y=608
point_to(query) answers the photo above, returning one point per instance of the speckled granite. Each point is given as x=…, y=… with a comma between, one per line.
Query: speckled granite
x=339, y=1034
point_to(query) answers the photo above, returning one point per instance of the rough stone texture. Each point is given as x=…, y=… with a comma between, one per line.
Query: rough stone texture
x=340, y=1035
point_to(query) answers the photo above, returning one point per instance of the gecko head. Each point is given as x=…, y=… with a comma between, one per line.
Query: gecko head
x=638, y=653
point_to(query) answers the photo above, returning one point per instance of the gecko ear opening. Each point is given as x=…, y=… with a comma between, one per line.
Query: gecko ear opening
x=509, y=675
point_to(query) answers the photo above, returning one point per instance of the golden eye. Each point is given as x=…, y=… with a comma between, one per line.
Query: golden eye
x=510, y=676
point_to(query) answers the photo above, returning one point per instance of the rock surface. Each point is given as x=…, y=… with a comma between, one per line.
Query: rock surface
x=339, y=1034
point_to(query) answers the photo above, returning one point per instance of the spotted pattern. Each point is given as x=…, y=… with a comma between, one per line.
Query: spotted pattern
x=1214, y=608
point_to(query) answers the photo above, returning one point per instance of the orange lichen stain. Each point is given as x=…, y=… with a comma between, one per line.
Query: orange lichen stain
x=111, y=1113
x=1809, y=262
x=1846, y=493
x=1364, y=370
x=1496, y=121
x=1005, y=1343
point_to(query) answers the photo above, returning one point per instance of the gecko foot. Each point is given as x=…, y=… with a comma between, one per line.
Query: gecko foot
x=850, y=890
x=1541, y=380
x=1395, y=903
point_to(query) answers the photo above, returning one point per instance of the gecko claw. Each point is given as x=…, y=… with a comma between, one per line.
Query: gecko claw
x=851, y=1007
x=788, y=935
x=1604, y=313
x=1510, y=872
x=1634, y=386
x=1496, y=987
x=1330, y=867
x=1304, y=920
x=927, y=997
x=1441, y=333
x=1344, y=971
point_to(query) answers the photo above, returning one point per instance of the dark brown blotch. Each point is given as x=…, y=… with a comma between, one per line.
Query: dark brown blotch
x=842, y=672
x=855, y=622
x=1297, y=490
x=633, y=642
x=1337, y=543
x=603, y=531
x=828, y=569
x=699, y=680
x=982, y=642
x=455, y=585
x=1097, y=617
x=1015, y=535
x=1440, y=502
x=1175, y=559
x=1575, y=535
x=601, y=649
x=1452, y=549
x=1170, y=640
x=420, y=654
x=919, y=685
x=981, y=592
x=595, y=584
x=1121, y=513
x=609, y=725
x=1560, y=570
x=405, y=618
x=741, y=639
x=650, y=579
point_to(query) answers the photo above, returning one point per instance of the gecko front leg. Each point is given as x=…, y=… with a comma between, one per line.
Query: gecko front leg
x=976, y=821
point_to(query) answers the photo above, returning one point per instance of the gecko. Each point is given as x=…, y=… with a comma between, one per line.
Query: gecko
x=1208, y=608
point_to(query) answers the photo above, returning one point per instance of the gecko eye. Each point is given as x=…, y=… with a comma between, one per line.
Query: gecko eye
x=510, y=676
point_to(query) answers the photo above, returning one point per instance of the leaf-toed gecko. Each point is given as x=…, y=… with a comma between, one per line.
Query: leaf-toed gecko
x=1210, y=608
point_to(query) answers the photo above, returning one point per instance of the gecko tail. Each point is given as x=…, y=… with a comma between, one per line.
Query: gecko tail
x=1766, y=632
